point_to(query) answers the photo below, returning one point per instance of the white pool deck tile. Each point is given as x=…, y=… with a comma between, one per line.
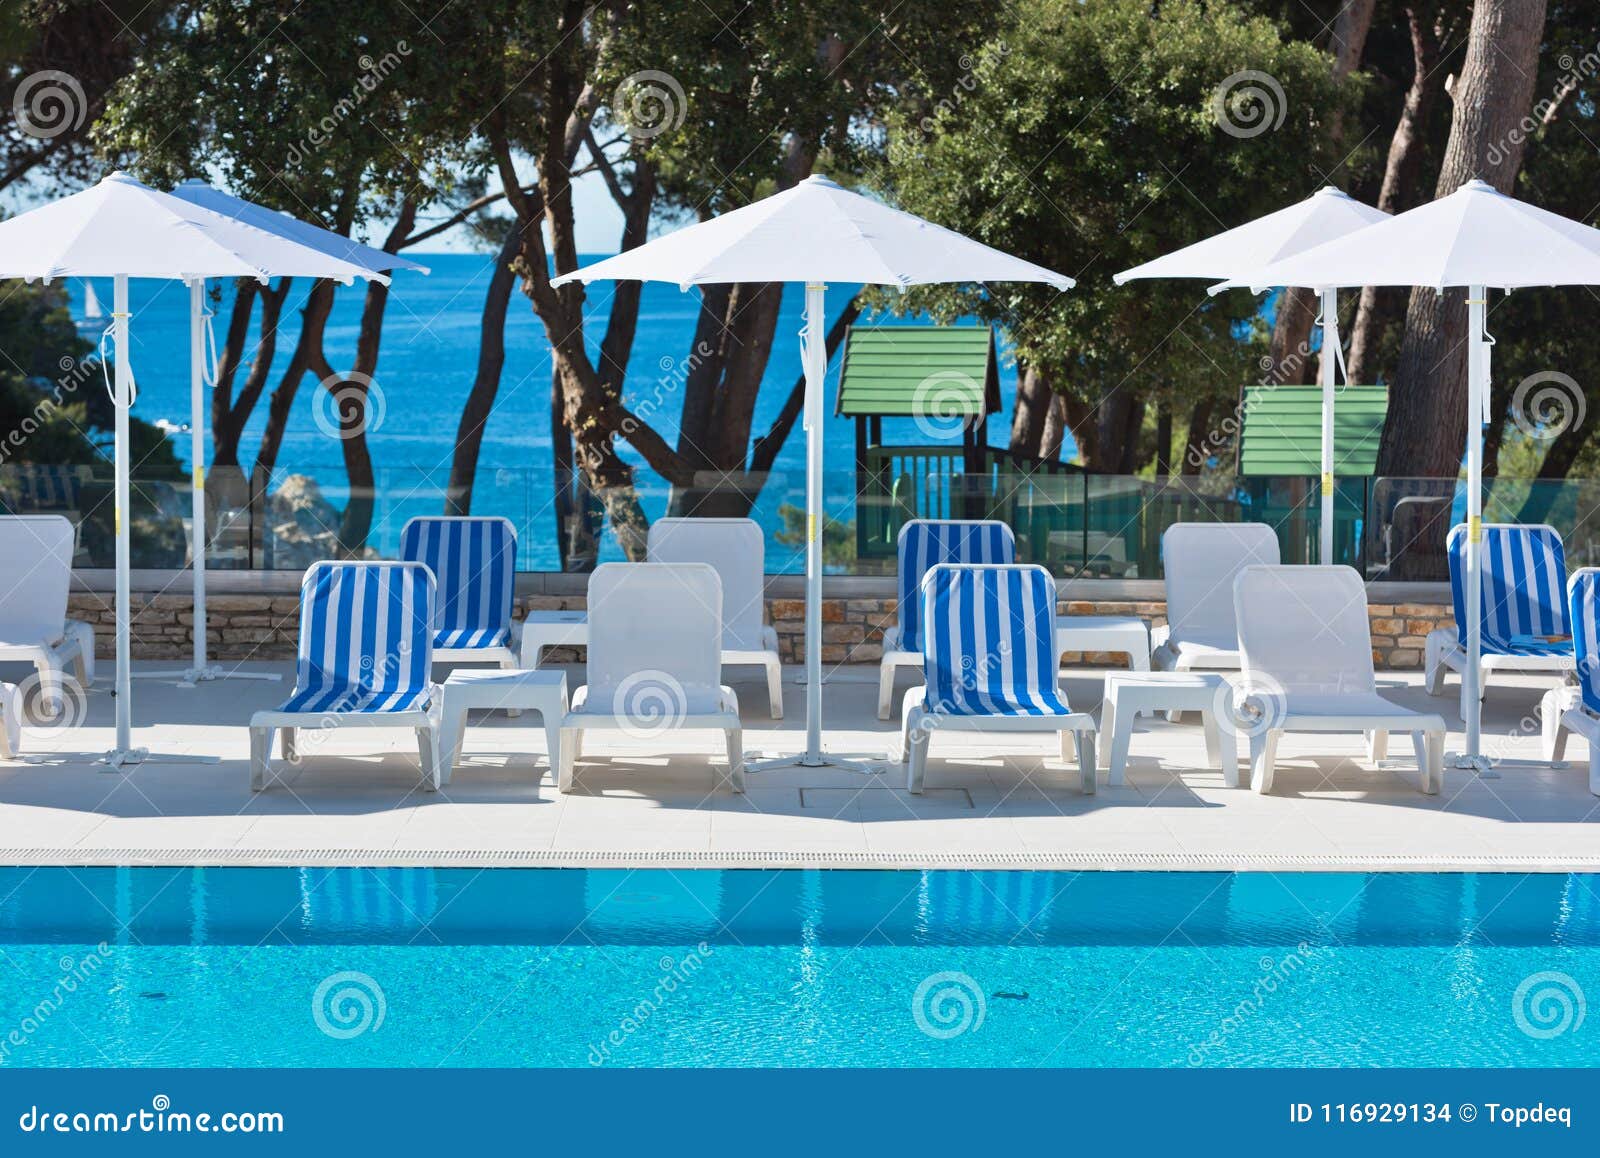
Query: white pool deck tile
x=991, y=802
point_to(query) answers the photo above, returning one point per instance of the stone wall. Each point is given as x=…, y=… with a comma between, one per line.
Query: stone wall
x=266, y=625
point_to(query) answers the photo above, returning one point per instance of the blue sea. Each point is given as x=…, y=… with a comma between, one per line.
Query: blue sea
x=570, y=967
x=426, y=366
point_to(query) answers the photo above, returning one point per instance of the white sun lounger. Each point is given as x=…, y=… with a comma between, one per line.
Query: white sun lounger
x=1201, y=561
x=365, y=653
x=1576, y=707
x=1523, y=606
x=990, y=664
x=1305, y=646
x=737, y=549
x=921, y=544
x=654, y=661
x=35, y=577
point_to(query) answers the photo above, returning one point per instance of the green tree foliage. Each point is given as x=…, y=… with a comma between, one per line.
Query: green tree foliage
x=1092, y=136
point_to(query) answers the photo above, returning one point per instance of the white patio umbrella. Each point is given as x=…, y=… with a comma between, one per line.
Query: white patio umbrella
x=373, y=261
x=1327, y=214
x=815, y=233
x=121, y=228
x=1478, y=238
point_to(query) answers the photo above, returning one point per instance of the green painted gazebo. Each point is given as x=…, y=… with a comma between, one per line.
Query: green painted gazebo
x=946, y=377
x=1282, y=430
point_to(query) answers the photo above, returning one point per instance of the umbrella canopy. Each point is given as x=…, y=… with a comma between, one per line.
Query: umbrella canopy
x=197, y=192
x=123, y=228
x=1475, y=236
x=816, y=232
x=1327, y=214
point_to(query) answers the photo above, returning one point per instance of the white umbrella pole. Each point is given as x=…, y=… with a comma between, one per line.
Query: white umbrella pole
x=814, y=353
x=1330, y=339
x=200, y=672
x=197, y=460
x=1471, y=706
x=816, y=368
x=124, y=693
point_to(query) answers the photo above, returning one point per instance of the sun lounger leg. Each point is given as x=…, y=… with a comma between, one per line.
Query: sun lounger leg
x=1553, y=735
x=917, y=767
x=735, y=738
x=552, y=744
x=1433, y=667
x=775, y=686
x=567, y=756
x=905, y=737
x=1208, y=722
x=1594, y=768
x=10, y=721
x=50, y=699
x=1228, y=755
x=286, y=741
x=1433, y=776
x=1377, y=747
x=1263, y=760
x=1087, y=767
x=428, y=757
x=260, y=757
x=885, y=688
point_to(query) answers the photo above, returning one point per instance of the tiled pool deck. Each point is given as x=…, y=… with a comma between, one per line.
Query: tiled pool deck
x=992, y=802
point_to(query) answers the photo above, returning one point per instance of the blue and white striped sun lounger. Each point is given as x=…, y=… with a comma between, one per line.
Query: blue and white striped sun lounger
x=990, y=664
x=366, y=650
x=474, y=563
x=1525, y=626
x=1577, y=708
x=925, y=543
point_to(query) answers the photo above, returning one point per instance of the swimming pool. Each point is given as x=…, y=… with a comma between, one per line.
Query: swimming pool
x=572, y=967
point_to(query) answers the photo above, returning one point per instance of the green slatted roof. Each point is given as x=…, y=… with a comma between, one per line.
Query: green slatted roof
x=901, y=371
x=1282, y=433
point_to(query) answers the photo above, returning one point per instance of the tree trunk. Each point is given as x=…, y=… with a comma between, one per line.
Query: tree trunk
x=313, y=320
x=1052, y=436
x=224, y=441
x=1377, y=307
x=1291, y=337
x=351, y=393
x=1197, y=443
x=1494, y=92
x=1163, y=439
x=485, y=383
x=229, y=416
x=1028, y=415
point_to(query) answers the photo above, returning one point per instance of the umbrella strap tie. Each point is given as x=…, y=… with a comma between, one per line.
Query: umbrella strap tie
x=1338, y=345
x=105, y=369
x=208, y=362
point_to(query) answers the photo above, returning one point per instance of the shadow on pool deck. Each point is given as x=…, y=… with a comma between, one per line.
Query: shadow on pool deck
x=990, y=799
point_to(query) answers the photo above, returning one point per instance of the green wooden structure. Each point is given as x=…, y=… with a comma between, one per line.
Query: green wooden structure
x=947, y=379
x=1281, y=433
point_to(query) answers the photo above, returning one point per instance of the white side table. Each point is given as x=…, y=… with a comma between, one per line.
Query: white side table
x=544, y=692
x=542, y=629
x=1128, y=695
x=1118, y=634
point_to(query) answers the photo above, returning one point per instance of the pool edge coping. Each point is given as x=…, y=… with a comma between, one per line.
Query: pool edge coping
x=706, y=859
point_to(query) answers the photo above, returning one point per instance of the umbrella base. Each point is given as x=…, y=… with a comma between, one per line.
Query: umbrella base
x=1482, y=765
x=191, y=677
x=816, y=760
x=120, y=758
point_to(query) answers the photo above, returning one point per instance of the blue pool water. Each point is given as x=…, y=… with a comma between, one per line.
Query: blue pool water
x=459, y=967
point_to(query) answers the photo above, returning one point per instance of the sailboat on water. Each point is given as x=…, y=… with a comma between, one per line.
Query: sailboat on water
x=94, y=321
